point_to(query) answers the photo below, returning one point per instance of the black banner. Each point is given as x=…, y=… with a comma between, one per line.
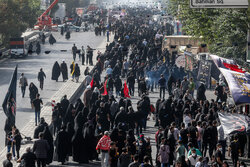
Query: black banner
x=9, y=106
x=204, y=74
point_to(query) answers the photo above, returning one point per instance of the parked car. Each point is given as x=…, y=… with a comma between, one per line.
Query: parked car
x=85, y=17
x=71, y=27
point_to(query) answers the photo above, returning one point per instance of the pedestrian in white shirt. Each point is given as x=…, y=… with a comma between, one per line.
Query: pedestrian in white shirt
x=186, y=118
x=193, y=158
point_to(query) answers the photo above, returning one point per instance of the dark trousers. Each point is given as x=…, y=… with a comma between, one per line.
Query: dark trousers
x=183, y=92
x=212, y=147
x=23, y=88
x=87, y=60
x=156, y=119
x=107, y=38
x=235, y=159
x=41, y=162
x=41, y=84
x=83, y=59
x=204, y=149
x=55, y=129
x=151, y=86
x=219, y=98
x=80, y=55
x=17, y=153
x=162, y=92
x=145, y=121
x=170, y=90
x=223, y=145
x=125, y=71
x=139, y=126
x=74, y=56
x=194, y=142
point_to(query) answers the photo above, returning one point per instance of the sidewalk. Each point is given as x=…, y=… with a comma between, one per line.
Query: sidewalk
x=69, y=88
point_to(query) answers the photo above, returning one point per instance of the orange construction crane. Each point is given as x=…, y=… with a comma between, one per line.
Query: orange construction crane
x=45, y=21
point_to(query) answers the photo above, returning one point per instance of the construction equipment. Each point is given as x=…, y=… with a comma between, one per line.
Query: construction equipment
x=45, y=21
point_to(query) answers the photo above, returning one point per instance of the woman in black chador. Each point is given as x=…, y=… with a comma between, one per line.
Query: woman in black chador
x=62, y=144
x=79, y=144
x=56, y=71
x=52, y=40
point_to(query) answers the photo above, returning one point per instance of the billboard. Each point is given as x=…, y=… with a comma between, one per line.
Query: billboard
x=219, y=3
x=204, y=74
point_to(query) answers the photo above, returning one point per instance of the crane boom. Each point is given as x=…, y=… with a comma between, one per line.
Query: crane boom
x=49, y=8
x=44, y=21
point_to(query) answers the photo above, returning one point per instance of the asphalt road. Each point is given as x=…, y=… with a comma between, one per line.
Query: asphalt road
x=31, y=65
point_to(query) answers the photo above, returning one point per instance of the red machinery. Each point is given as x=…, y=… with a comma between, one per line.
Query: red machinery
x=45, y=21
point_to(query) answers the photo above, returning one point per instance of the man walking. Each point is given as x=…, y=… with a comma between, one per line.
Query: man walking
x=74, y=50
x=162, y=83
x=222, y=140
x=23, y=83
x=89, y=55
x=184, y=86
x=234, y=150
x=64, y=71
x=37, y=105
x=125, y=67
x=40, y=148
x=219, y=92
x=103, y=145
x=131, y=84
x=41, y=77
x=191, y=86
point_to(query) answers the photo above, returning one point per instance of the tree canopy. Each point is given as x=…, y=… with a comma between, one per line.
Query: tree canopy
x=16, y=16
x=224, y=30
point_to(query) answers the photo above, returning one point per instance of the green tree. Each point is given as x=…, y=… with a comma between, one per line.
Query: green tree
x=224, y=30
x=16, y=16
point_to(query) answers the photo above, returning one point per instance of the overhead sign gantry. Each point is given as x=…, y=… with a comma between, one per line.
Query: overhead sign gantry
x=219, y=3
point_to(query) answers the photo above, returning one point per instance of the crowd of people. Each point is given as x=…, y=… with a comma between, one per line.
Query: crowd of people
x=105, y=122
